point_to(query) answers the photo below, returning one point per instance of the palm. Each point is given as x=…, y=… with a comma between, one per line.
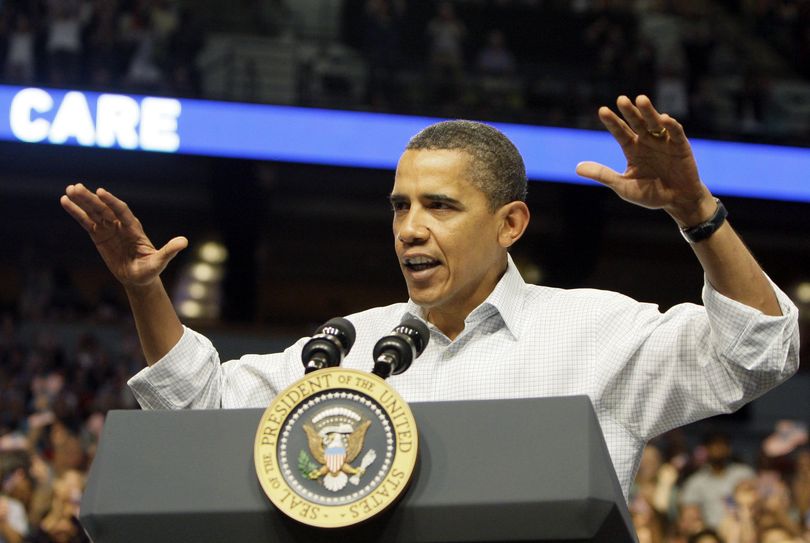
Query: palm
x=661, y=172
x=128, y=253
x=655, y=176
x=119, y=236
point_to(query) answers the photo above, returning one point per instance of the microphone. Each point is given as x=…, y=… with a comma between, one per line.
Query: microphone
x=327, y=347
x=394, y=353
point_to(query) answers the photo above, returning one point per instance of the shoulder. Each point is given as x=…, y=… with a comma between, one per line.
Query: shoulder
x=741, y=471
x=696, y=480
x=589, y=298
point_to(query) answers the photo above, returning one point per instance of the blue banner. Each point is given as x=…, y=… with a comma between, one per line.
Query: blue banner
x=348, y=138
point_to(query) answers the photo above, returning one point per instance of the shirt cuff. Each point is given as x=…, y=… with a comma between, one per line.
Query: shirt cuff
x=737, y=325
x=169, y=382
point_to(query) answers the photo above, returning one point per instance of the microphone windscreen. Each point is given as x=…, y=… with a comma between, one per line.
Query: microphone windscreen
x=418, y=332
x=340, y=327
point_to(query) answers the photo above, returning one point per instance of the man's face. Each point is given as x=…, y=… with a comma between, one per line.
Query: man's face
x=445, y=236
x=718, y=452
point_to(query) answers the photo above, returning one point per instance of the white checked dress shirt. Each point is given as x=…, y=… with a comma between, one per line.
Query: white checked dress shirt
x=644, y=371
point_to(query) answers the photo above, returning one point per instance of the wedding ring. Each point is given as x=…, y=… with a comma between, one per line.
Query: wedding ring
x=658, y=133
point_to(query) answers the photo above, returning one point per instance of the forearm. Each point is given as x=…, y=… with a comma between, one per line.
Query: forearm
x=728, y=264
x=662, y=497
x=159, y=328
x=748, y=528
x=732, y=270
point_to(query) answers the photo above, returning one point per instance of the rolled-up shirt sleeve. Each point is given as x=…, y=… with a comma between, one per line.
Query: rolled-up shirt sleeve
x=658, y=371
x=747, y=337
x=187, y=377
x=190, y=376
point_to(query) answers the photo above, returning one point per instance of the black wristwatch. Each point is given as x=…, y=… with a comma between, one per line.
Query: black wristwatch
x=704, y=230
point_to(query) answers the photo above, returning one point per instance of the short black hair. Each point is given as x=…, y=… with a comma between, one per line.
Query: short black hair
x=716, y=436
x=497, y=167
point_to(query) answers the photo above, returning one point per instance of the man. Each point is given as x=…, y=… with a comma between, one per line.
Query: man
x=458, y=208
x=715, y=483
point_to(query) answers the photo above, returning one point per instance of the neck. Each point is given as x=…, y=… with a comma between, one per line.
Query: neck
x=450, y=325
x=450, y=320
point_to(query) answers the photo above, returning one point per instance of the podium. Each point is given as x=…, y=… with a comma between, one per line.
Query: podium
x=488, y=471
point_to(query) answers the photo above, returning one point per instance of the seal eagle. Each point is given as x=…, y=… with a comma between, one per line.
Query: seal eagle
x=335, y=451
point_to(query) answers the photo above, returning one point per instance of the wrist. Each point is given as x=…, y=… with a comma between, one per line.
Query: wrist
x=706, y=229
x=144, y=291
x=695, y=212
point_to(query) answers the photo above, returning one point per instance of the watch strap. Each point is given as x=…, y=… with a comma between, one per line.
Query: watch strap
x=704, y=230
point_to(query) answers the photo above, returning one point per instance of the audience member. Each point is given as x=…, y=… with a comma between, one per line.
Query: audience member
x=500, y=89
x=655, y=481
x=13, y=521
x=715, y=482
x=801, y=486
x=381, y=45
x=61, y=523
x=446, y=34
x=778, y=534
x=739, y=523
x=20, y=54
x=688, y=524
x=63, y=42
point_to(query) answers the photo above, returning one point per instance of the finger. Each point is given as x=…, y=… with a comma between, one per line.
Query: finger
x=77, y=213
x=674, y=129
x=118, y=207
x=601, y=174
x=172, y=247
x=622, y=133
x=652, y=119
x=631, y=114
x=90, y=203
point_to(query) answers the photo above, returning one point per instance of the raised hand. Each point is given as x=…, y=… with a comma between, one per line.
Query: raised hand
x=119, y=236
x=661, y=171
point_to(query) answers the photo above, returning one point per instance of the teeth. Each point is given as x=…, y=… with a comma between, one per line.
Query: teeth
x=418, y=261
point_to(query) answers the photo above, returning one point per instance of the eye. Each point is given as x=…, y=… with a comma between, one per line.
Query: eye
x=440, y=205
x=399, y=205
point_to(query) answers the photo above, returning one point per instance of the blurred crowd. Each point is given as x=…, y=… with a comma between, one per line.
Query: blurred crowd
x=705, y=494
x=723, y=68
x=56, y=385
x=727, y=68
x=139, y=45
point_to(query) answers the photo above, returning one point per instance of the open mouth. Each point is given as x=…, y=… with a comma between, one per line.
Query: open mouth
x=420, y=263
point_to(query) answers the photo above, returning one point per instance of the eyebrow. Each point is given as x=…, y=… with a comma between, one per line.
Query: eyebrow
x=398, y=198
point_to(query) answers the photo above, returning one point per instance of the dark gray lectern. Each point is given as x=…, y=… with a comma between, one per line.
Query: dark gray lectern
x=488, y=471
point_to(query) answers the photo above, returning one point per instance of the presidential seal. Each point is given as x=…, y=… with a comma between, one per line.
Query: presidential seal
x=335, y=448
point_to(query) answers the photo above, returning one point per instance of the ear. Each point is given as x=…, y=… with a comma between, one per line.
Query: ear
x=514, y=218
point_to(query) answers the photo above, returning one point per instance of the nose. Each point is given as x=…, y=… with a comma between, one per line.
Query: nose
x=410, y=229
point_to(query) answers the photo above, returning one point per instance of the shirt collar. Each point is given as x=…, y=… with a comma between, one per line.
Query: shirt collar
x=505, y=299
